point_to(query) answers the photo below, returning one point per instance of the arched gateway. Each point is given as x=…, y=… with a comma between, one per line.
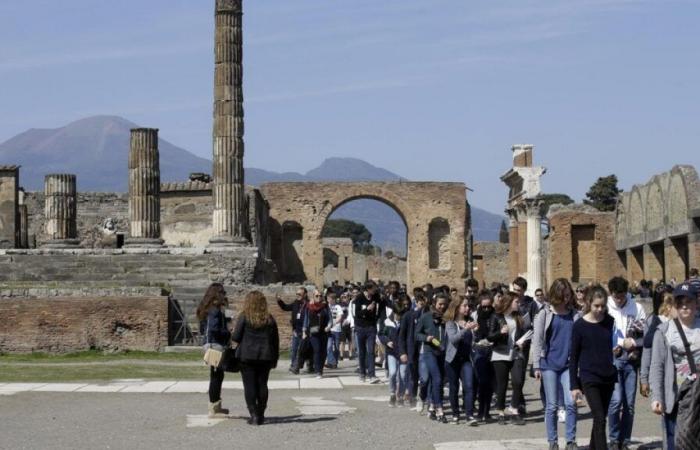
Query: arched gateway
x=431, y=212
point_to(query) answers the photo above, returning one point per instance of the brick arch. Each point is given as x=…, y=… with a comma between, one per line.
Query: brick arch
x=654, y=206
x=636, y=216
x=677, y=203
x=416, y=203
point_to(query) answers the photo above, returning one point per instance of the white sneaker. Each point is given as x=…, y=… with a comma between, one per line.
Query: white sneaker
x=420, y=407
x=318, y=377
x=511, y=411
x=374, y=380
x=561, y=415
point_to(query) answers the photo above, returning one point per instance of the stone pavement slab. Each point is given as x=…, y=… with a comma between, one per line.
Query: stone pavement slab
x=232, y=385
x=530, y=444
x=323, y=383
x=104, y=388
x=149, y=387
x=283, y=384
x=184, y=387
x=21, y=387
x=60, y=387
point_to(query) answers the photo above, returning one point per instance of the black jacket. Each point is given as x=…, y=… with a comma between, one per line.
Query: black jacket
x=498, y=339
x=320, y=319
x=407, y=334
x=297, y=308
x=257, y=344
x=215, y=327
x=363, y=317
x=428, y=325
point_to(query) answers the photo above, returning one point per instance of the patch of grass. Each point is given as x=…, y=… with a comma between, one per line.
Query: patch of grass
x=98, y=356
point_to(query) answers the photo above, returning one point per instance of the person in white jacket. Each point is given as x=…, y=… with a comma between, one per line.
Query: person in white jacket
x=627, y=343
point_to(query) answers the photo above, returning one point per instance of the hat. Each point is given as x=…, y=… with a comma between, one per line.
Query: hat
x=685, y=290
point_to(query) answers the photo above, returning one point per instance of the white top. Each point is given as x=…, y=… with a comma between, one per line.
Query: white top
x=336, y=318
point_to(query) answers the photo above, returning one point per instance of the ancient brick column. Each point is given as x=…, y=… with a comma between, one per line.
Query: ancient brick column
x=60, y=211
x=144, y=189
x=228, y=191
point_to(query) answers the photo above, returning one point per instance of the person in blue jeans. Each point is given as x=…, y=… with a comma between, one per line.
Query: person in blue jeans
x=481, y=356
x=430, y=333
x=366, y=316
x=459, y=328
x=629, y=318
x=551, y=345
x=390, y=339
x=316, y=326
x=297, y=308
x=335, y=329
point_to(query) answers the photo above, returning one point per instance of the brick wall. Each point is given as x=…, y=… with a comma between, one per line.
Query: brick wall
x=63, y=324
x=491, y=263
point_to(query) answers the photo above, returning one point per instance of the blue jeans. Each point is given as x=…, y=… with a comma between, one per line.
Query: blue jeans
x=318, y=343
x=553, y=381
x=296, y=340
x=458, y=371
x=397, y=373
x=621, y=411
x=436, y=370
x=366, y=339
x=668, y=423
x=333, y=349
x=423, y=378
x=481, y=359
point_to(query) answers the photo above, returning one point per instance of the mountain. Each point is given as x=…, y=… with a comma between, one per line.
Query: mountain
x=96, y=150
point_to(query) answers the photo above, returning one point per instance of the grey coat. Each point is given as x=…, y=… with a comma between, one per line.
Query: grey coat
x=543, y=321
x=662, y=371
x=457, y=338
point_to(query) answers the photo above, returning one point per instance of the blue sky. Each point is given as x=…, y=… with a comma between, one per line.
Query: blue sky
x=432, y=90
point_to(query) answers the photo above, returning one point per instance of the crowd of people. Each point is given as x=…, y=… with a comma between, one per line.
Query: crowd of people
x=590, y=344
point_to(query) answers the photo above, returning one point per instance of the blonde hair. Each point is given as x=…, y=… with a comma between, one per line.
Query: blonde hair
x=667, y=305
x=255, y=309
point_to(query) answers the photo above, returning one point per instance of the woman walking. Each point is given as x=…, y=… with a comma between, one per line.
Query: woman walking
x=317, y=327
x=507, y=334
x=210, y=313
x=258, y=351
x=390, y=339
x=591, y=365
x=481, y=356
x=458, y=364
x=430, y=334
x=674, y=361
x=551, y=347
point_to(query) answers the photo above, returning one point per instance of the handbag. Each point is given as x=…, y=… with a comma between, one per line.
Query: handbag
x=213, y=355
x=229, y=361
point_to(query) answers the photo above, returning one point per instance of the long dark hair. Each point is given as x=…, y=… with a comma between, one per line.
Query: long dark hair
x=214, y=296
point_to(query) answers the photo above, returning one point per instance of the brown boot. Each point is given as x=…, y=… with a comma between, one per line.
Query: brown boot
x=216, y=411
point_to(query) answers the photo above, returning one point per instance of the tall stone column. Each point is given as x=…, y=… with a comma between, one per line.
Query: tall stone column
x=144, y=189
x=513, y=245
x=23, y=241
x=229, y=218
x=60, y=211
x=535, y=278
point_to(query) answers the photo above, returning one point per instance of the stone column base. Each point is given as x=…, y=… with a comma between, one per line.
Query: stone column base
x=61, y=243
x=225, y=241
x=143, y=243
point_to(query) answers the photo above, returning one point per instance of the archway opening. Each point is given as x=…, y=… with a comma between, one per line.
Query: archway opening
x=364, y=239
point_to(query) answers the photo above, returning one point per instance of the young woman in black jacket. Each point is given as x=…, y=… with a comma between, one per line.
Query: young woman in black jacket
x=506, y=328
x=210, y=313
x=258, y=351
x=317, y=319
x=481, y=356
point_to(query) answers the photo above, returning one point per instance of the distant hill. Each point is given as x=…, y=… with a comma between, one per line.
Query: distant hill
x=96, y=150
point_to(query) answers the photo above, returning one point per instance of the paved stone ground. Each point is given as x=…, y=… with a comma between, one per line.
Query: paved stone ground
x=312, y=414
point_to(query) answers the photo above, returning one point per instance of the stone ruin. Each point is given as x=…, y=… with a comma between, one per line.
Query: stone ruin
x=74, y=265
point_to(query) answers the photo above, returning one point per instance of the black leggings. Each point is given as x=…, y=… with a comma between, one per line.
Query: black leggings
x=598, y=396
x=255, y=376
x=515, y=369
x=216, y=379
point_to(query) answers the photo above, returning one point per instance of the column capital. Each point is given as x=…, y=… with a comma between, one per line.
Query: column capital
x=229, y=6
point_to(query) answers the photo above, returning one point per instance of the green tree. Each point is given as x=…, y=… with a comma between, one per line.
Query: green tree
x=342, y=228
x=603, y=194
x=552, y=199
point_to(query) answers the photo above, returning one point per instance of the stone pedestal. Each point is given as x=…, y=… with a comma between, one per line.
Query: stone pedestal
x=60, y=209
x=144, y=189
x=535, y=278
x=229, y=218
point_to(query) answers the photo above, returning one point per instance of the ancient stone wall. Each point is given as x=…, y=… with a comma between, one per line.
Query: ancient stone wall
x=9, y=214
x=491, y=263
x=186, y=211
x=65, y=324
x=581, y=245
x=304, y=207
x=657, y=229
